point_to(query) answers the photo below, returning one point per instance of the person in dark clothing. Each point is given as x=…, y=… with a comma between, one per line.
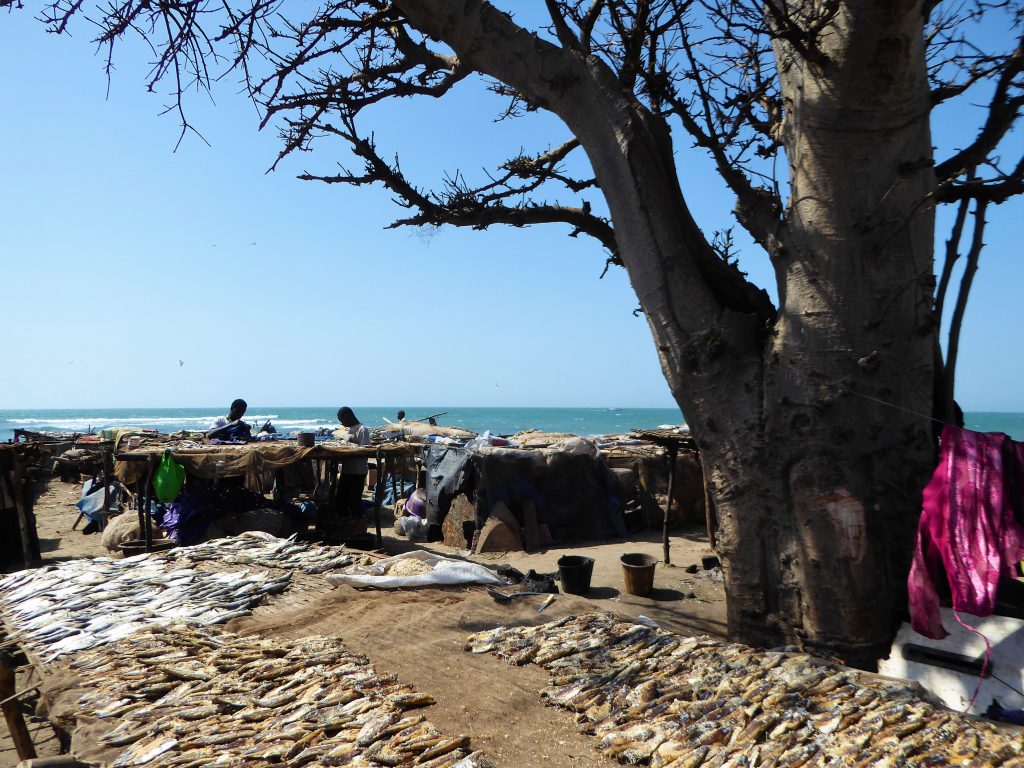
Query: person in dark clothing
x=231, y=427
x=352, y=478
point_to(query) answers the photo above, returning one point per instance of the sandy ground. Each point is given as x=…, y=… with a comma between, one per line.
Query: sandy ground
x=419, y=634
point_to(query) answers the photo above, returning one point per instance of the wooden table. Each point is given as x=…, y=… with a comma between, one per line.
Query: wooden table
x=673, y=441
x=251, y=459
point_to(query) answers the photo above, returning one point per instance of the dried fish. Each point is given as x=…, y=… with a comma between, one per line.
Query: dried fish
x=248, y=701
x=266, y=551
x=651, y=697
x=79, y=604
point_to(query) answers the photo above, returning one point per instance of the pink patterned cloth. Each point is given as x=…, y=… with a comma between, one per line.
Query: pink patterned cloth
x=970, y=526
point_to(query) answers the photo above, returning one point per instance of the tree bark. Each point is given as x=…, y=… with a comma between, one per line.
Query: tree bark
x=814, y=422
x=830, y=518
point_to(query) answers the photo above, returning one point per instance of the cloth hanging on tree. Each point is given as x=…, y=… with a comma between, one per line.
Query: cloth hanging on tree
x=971, y=526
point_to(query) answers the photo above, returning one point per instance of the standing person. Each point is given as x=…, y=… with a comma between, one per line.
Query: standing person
x=231, y=427
x=353, y=471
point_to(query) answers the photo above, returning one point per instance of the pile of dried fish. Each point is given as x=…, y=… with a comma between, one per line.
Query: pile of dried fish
x=266, y=551
x=80, y=604
x=657, y=698
x=187, y=698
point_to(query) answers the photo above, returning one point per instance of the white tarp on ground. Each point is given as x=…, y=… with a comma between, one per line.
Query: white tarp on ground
x=444, y=572
x=1005, y=669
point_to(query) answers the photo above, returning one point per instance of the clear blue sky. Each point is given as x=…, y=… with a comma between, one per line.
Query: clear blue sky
x=121, y=257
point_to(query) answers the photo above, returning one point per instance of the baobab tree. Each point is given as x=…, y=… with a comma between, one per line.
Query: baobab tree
x=812, y=412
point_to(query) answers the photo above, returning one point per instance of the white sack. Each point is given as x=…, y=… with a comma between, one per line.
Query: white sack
x=446, y=571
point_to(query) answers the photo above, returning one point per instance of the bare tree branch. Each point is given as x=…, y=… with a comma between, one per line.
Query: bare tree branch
x=994, y=190
x=1003, y=111
x=565, y=35
x=463, y=206
x=951, y=256
x=966, y=281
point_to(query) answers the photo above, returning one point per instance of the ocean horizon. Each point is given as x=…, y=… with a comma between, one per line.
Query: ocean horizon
x=499, y=421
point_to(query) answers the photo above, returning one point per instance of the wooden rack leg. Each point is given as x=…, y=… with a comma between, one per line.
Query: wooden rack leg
x=140, y=489
x=668, y=501
x=401, y=485
x=394, y=484
x=278, y=485
x=24, y=521
x=12, y=710
x=147, y=530
x=378, y=492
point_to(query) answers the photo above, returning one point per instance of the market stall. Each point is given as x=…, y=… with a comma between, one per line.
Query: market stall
x=259, y=464
x=544, y=488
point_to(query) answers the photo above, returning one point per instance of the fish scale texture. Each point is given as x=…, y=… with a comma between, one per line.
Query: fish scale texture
x=187, y=696
x=658, y=699
x=80, y=604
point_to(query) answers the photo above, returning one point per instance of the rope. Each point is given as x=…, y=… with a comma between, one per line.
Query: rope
x=19, y=694
x=897, y=407
x=984, y=664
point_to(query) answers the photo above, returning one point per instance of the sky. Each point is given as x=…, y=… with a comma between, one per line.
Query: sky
x=136, y=275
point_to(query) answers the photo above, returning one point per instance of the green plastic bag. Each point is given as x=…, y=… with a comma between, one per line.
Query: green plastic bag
x=168, y=479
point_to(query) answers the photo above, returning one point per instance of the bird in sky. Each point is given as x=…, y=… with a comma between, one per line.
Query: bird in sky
x=181, y=363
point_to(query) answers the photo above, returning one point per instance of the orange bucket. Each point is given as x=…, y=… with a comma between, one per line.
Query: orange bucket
x=638, y=573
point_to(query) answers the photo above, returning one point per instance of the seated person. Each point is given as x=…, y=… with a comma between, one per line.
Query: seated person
x=354, y=470
x=231, y=427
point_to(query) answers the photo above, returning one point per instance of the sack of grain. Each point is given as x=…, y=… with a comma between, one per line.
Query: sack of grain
x=121, y=529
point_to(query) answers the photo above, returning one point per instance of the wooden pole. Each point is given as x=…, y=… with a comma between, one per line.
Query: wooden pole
x=147, y=528
x=394, y=484
x=331, y=468
x=378, y=492
x=672, y=449
x=106, y=485
x=401, y=483
x=140, y=492
x=278, y=485
x=12, y=710
x=24, y=524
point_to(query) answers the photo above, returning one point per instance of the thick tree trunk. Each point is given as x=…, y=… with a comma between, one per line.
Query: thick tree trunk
x=813, y=421
x=817, y=432
x=826, y=512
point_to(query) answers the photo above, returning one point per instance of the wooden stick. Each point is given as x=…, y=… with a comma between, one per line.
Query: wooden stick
x=668, y=502
x=106, y=484
x=147, y=531
x=394, y=486
x=401, y=484
x=19, y=694
x=140, y=489
x=378, y=491
x=12, y=712
x=432, y=416
x=23, y=513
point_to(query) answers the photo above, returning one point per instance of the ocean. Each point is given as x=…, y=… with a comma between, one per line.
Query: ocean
x=499, y=421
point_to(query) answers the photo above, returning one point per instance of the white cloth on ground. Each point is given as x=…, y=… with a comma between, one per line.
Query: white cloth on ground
x=444, y=571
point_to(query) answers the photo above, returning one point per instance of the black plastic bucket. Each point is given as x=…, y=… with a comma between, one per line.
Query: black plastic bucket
x=575, y=572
